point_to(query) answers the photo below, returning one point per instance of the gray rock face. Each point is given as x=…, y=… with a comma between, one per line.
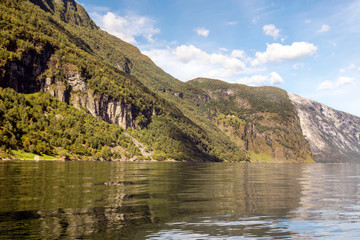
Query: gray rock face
x=106, y=108
x=25, y=77
x=101, y=106
x=334, y=136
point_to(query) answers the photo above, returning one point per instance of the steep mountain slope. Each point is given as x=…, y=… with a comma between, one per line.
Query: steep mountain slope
x=261, y=120
x=185, y=97
x=53, y=46
x=334, y=136
x=40, y=124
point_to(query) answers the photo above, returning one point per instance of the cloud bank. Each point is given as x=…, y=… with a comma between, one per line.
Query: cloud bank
x=255, y=80
x=187, y=62
x=127, y=28
x=276, y=53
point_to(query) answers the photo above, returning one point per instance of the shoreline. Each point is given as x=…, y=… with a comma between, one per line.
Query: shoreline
x=88, y=160
x=143, y=160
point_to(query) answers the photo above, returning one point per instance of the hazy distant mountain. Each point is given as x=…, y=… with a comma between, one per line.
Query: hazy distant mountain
x=334, y=136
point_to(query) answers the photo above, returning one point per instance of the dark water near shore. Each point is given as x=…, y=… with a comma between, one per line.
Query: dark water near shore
x=107, y=200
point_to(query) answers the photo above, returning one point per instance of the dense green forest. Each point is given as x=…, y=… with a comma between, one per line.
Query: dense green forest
x=52, y=50
x=40, y=124
x=66, y=40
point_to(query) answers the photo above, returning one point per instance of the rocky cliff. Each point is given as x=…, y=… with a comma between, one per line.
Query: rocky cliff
x=31, y=74
x=260, y=120
x=53, y=46
x=334, y=136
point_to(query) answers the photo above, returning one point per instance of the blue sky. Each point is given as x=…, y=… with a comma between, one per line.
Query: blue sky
x=307, y=47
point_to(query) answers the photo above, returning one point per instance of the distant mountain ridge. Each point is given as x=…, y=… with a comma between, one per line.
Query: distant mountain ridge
x=53, y=46
x=261, y=120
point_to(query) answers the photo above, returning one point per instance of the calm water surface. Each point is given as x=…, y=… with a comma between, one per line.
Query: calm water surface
x=107, y=200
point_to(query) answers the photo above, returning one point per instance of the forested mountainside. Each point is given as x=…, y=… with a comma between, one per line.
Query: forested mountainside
x=52, y=53
x=44, y=125
x=261, y=120
x=54, y=47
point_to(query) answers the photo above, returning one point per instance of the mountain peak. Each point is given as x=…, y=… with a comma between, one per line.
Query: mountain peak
x=69, y=11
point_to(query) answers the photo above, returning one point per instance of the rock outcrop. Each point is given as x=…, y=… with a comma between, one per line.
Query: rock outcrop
x=101, y=106
x=109, y=109
x=22, y=75
x=260, y=120
x=61, y=51
x=334, y=136
x=28, y=75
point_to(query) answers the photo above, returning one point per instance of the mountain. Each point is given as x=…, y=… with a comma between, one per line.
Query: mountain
x=261, y=120
x=40, y=124
x=334, y=136
x=53, y=54
x=54, y=47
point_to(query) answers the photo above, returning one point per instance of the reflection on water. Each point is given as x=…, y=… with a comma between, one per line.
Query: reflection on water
x=106, y=200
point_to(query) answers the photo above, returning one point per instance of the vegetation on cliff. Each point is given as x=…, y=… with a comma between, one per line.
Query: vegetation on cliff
x=40, y=124
x=52, y=41
x=53, y=46
x=261, y=120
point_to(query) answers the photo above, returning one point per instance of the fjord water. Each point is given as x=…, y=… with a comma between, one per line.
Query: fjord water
x=112, y=200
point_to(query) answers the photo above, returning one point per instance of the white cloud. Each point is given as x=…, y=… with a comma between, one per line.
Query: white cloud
x=238, y=53
x=275, y=78
x=128, y=28
x=324, y=28
x=187, y=62
x=256, y=80
x=232, y=23
x=223, y=49
x=187, y=53
x=349, y=68
x=325, y=85
x=271, y=30
x=202, y=32
x=340, y=82
x=276, y=53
